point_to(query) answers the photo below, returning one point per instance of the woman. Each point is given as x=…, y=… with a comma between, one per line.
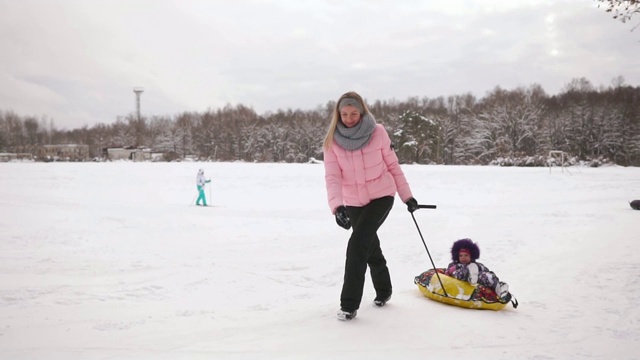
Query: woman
x=362, y=176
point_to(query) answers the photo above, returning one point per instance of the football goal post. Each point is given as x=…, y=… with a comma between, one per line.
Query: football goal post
x=557, y=158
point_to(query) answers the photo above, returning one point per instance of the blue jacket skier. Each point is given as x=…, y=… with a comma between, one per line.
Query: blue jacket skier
x=200, y=183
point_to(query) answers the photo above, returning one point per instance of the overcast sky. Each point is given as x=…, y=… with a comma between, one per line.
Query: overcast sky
x=77, y=61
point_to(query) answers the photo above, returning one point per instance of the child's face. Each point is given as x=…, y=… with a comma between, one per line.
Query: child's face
x=464, y=258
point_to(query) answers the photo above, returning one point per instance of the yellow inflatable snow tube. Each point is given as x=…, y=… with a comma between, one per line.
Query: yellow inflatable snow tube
x=459, y=293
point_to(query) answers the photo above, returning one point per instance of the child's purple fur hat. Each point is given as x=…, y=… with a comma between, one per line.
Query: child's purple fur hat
x=474, y=250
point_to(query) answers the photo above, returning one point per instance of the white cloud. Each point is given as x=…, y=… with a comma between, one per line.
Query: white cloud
x=79, y=60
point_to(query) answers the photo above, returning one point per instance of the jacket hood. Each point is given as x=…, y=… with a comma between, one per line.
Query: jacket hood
x=458, y=245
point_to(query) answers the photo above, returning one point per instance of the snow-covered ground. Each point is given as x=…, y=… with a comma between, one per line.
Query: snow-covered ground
x=111, y=261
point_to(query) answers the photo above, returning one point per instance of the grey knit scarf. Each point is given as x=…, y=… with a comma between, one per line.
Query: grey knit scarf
x=356, y=137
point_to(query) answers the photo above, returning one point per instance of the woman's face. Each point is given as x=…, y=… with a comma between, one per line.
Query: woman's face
x=350, y=116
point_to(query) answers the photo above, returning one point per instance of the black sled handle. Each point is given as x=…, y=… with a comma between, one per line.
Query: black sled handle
x=426, y=206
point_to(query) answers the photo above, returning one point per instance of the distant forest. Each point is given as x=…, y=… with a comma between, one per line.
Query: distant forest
x=506, y=127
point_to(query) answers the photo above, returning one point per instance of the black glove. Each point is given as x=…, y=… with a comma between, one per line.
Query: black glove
x=342, y=218
x=412, y=205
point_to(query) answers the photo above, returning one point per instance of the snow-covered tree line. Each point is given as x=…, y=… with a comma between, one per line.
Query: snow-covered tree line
x=524, y=123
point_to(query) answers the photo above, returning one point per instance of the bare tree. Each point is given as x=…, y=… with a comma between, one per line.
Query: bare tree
x=121, y=134
x=455, y=125
x=31, y=130
x=183, y=126
x=14, y=129
x=622, y=10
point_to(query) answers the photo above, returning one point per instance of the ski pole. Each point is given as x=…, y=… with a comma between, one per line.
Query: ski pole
x=426, y=248
x=210, y=198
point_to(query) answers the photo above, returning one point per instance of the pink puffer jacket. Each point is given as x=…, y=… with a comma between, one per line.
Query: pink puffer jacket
x=356, y=177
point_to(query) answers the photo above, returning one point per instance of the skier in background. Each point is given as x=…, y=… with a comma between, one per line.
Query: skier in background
x=200, y=182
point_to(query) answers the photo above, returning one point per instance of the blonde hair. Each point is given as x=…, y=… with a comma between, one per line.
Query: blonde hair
x=328, y=139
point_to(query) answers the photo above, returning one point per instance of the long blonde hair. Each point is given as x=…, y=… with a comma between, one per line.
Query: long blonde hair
x=328, y=139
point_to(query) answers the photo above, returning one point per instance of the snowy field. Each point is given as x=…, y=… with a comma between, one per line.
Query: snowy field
x=112, y=261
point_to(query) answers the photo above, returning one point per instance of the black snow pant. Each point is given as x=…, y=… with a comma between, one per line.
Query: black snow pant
x=364, y=249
